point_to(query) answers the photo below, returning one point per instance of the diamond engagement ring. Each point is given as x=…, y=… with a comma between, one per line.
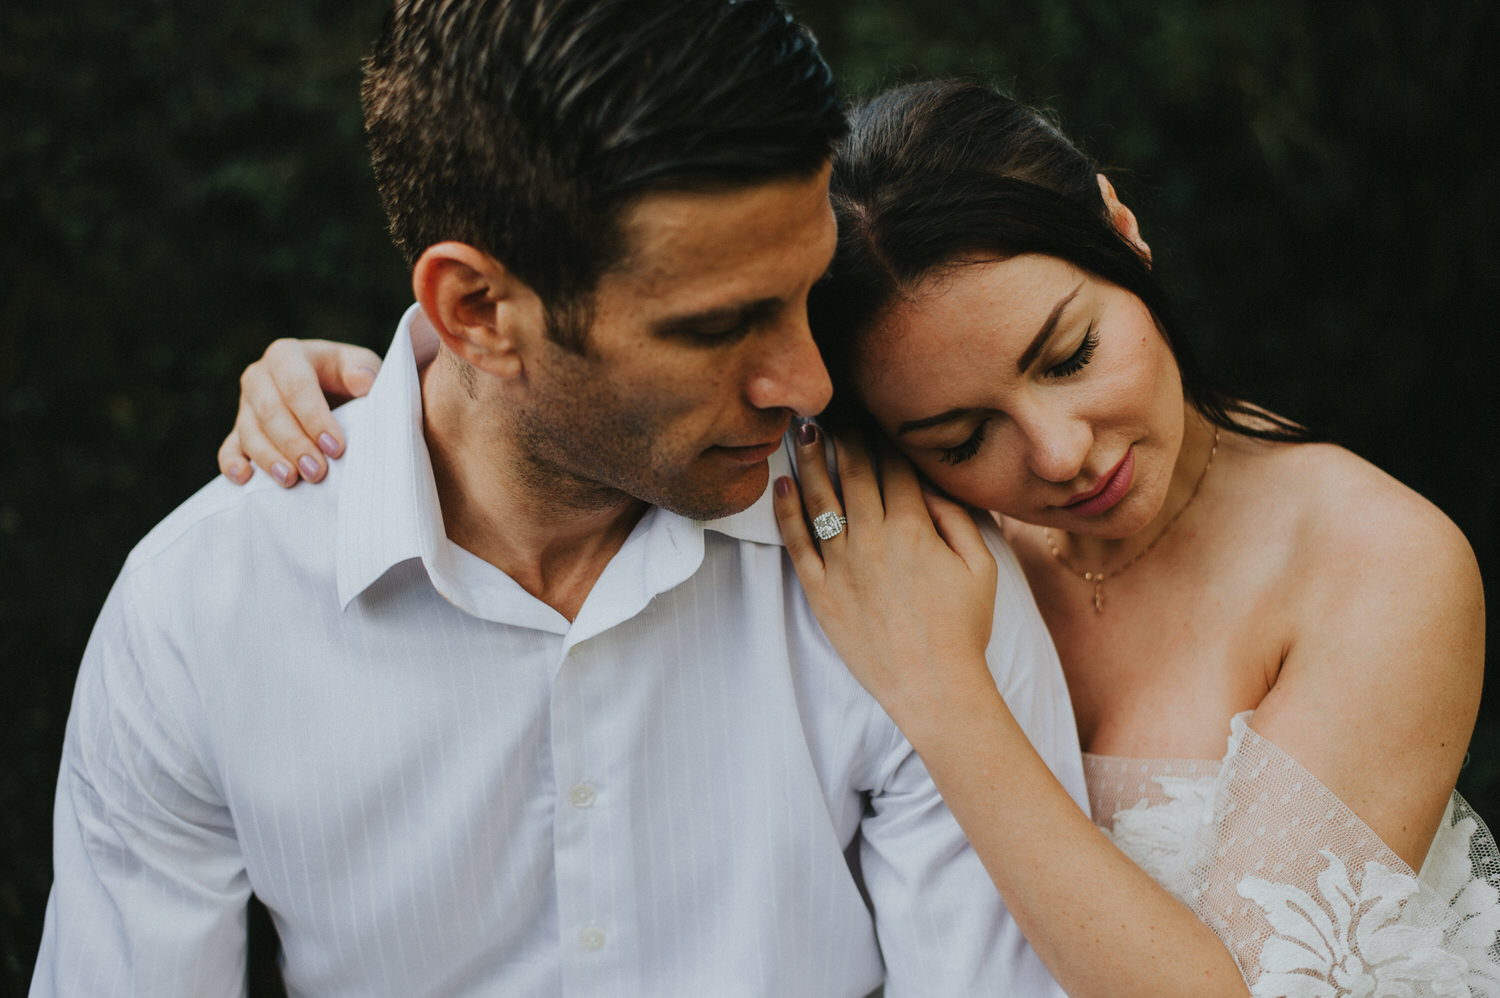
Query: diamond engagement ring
x=828, y=525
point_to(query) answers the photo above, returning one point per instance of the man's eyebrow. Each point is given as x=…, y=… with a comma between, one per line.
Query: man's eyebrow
x=1034, y=348
x=712, y=318
x=1048, y=328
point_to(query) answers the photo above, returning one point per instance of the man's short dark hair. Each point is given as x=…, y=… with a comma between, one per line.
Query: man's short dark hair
x=525, y=127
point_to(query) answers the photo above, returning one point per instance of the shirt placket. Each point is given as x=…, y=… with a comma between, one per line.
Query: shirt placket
x=591, y=863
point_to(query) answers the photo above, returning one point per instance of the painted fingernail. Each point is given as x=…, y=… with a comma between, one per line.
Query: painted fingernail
x=238, y=474
x=783, y=486
x=327, y=444
x=309, y=467
x=282, y=472
x=807, y=434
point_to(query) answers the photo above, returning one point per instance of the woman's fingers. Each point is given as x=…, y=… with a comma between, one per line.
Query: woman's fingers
x=233, y=461
x=900, y=488
x=825, y=513
x=906, y=590
x=905, y=495
x=284, y=392
x=285, y=424
x=800, y=546
x=888, y=512
x=859, y=481
x=246, y=443
x=810, y=516
x=351, y=368
x=955, y=525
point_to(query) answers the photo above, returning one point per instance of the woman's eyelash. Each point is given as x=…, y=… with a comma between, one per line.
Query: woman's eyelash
x=1075, y=363
x=962, y=452
x=1080, y=357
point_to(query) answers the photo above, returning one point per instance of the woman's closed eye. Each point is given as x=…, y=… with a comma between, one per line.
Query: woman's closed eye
x=963, y=451
x=1079, y=358
x=1075, y=362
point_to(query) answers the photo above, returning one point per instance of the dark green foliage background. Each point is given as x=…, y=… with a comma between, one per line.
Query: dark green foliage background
x=182, y=182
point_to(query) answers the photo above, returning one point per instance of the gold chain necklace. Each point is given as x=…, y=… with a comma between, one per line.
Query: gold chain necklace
x=1097, y=578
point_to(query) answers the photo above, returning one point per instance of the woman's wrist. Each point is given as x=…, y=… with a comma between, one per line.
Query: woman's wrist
x=940, y=703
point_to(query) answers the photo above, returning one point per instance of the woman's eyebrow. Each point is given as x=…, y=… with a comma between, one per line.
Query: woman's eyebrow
x=1048, y=328
x=1033, y=349
x=926, y=421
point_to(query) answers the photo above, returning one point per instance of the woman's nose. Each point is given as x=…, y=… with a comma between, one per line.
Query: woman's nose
x=1057, y=446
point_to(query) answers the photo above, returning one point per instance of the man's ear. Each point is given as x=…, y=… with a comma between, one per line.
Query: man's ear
x=1122, y=218
x=482, y=311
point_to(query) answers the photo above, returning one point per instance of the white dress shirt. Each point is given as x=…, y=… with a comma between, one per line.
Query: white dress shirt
x=440, y=786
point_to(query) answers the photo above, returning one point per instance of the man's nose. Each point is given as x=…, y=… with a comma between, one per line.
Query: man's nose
x=792, y=374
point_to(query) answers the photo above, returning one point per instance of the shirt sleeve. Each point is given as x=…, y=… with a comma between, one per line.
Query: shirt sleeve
x=943, y=928
x=149, y=891
x=1029, y=675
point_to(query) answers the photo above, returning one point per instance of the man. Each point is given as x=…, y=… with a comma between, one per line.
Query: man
x=525, y=701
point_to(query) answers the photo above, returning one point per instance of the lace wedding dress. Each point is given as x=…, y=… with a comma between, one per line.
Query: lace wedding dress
x=1308, y=899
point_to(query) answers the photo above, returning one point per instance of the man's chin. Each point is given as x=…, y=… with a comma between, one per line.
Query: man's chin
x=723, y=498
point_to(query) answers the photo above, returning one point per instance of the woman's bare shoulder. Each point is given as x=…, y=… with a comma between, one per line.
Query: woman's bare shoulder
x=1381, y=586
x=1381, y=675
x=1338, y=507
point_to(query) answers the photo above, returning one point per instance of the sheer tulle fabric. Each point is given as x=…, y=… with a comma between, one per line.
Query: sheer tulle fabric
x=1308, y=899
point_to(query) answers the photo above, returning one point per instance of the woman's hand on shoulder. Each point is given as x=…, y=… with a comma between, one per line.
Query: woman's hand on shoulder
x=1379, y=688
x=906, y=592
x=285, y=423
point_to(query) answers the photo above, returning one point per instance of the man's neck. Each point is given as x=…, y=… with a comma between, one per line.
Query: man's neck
x=550, y=532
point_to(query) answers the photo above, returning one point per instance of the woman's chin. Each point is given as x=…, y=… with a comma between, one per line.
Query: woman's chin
x=1123, y=520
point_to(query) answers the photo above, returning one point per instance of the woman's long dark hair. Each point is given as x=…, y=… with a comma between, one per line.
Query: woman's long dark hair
x=937, y=174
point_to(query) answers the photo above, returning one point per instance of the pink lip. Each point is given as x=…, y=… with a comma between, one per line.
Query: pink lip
x=1108, y=492
x=752, y=454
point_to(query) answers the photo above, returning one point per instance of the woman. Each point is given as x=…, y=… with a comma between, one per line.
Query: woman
x=1207, y=572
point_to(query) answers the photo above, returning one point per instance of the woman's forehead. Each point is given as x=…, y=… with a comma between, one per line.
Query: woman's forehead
x=984, y=306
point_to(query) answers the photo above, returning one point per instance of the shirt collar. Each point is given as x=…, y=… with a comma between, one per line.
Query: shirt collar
x=388, y=503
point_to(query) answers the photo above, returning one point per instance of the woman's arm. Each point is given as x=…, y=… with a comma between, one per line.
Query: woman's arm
x=1379, y=685
x=1330, y=800
x=906, y=595
x=285, y=423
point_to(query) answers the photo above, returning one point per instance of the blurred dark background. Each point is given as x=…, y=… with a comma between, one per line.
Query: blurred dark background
x=181, y=182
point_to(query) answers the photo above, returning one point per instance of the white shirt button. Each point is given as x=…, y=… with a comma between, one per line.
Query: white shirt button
x=591, y=938
x=582, y=794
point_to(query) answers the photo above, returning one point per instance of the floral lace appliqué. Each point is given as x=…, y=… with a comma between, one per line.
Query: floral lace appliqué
x=1350, y=941
x=1159, y=837
x=1305, y=896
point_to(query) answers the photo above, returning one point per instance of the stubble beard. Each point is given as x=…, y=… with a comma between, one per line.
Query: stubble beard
x=586, y=450
x=591, y=468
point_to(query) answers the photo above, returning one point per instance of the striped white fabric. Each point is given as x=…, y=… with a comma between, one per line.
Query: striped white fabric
x=439, y=786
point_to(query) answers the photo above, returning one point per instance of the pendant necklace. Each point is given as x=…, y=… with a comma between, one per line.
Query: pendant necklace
x=1097, y=578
